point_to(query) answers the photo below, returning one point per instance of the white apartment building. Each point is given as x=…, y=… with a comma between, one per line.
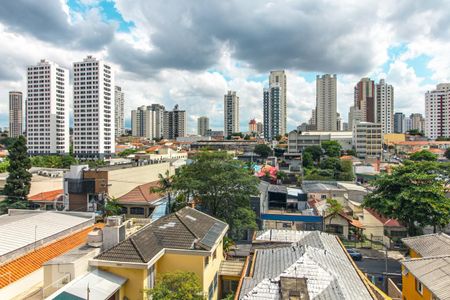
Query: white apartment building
x=385, y=106
x=299, y=140
x=368, y=140
x=158, y=119
x=437, y=112
x=202, y=126
x=275, y=105
x=143, y=122
x=230, y=113
x=15, y=114
x=326, y=103
x=119, y=101
x=94, y=109
x=47, y=109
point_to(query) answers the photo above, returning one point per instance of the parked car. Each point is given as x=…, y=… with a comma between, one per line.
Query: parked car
x=354, y=254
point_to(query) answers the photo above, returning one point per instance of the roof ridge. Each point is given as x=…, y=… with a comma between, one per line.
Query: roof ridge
x=426, y=258
x=185, y=225
x=137, y=249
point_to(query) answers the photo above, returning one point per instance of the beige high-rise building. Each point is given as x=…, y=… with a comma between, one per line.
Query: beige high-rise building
x=143, y=122
x=202, y=126
x=385, y=106
x=15, y=114
x=365, y=101
x=368, y=140
x=326, y=103
x=119, y=99
x=275, y=105
x=230, y=113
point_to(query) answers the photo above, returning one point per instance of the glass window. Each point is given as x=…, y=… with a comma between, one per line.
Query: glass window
x=419, y=287
x=136, y=211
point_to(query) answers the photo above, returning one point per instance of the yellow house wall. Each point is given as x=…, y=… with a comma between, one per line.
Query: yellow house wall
x=372, y=225
x=409, y=288
x=393, y=137
x=133, y=287
x=414, y=254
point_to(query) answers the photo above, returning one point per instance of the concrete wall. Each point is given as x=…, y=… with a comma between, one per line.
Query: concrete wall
x=124, y=180
x=22, y=287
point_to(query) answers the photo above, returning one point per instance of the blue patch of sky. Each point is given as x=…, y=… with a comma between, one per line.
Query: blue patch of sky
x=419, y=64
x=309, y=76
x=213, y=70
x=109, y=12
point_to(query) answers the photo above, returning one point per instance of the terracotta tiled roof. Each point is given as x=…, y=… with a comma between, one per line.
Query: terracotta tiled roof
x=141, y=194
x=22, y=266
x=385, y=221
x=46, y=196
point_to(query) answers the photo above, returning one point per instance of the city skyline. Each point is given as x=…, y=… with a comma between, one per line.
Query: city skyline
x=153, y=77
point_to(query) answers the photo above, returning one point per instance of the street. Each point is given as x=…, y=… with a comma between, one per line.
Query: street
x=374, y=267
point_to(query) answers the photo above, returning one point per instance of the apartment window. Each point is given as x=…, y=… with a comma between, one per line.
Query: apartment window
x=419, y=287
x=206, y=261
x=212, y=287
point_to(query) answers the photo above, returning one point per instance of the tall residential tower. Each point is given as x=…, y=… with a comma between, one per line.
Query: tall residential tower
x=437, y=112
x=230, y=113
x=385, y=106
x=326, y=103
x=119, y=99
x=47, y=109
x=15, y=114
x=202, y=126
x=274, y=104
x=94, y=109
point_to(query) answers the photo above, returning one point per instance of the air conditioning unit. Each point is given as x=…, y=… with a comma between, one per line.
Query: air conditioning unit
x=114, y=221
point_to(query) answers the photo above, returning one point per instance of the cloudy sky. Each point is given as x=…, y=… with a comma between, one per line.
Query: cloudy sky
x=191, y=52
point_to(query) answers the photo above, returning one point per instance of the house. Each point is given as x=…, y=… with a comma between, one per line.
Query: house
x=343, y=225
x=140, y=201
x=425, y=275
x=380, y=228
x=289, y=264
x=49, y=200
x=187, y=240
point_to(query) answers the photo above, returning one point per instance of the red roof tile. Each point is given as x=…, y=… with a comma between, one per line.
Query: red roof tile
x=141, y=194
x=388, y=222
x=46, y=196
x=32, y=261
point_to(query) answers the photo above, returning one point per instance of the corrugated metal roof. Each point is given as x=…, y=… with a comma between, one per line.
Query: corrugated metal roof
x=329, y=273
x=23, y=228
x=429, y=244
x=99, y=284
x=231, y=267
x=433, y=272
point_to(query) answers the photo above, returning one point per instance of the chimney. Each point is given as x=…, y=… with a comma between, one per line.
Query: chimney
x=293, y=288
x=113, y=232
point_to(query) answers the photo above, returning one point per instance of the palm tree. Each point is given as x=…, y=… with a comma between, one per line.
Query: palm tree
x=334, y=208
x=164, y=186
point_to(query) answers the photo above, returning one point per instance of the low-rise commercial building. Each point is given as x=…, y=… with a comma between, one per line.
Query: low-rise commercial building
x=298, y=140
x=368, y=140
x=228, y=145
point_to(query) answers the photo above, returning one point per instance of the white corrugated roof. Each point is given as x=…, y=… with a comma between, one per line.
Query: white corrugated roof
x=23, y=228
x=99, y=284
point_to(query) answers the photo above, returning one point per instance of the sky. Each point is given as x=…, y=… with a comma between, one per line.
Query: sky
x=192, y=52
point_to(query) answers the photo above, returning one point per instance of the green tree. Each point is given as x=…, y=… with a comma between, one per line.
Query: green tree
x=127, y=152
x=334, y=207
x=221, y=186
x=447, y=153
x=165, y=186
x=331, y=148
x=415, y=132
x=308, y=161
x=414, y=194
x=331, y=163
x=423, y=155
x=112, y=207
x=262, y=150
x=316, y=152
x=4, y=165
x=18, y=182
x=177, y=285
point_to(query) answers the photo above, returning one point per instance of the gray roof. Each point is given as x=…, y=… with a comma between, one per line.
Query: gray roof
x=433, y=272
x=316, y=256
x=320, y=187
x=186, y=229
x=429, y=244
x=277, y=189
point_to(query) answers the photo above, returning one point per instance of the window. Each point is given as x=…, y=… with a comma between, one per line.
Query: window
x=214, y=254
x=151, y=277
x=136, y=211
x=206, y=261
x=213, y=287
x=419, y=287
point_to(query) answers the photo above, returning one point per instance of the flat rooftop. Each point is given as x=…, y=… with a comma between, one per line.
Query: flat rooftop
x=20, y=229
